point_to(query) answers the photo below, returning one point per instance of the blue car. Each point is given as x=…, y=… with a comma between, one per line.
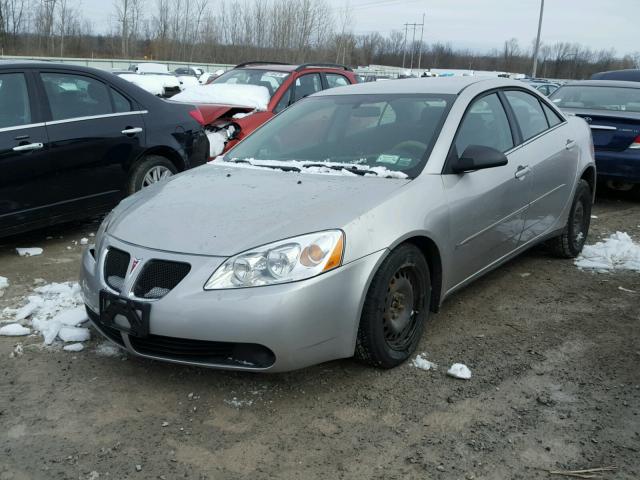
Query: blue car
x=612, y=109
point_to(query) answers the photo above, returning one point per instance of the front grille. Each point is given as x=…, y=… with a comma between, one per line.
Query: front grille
x=115, y=268
x=159, y=277
x=202, y=351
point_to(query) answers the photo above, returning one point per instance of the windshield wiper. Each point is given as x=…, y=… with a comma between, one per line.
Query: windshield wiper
x=352, y=169
x=284, y=168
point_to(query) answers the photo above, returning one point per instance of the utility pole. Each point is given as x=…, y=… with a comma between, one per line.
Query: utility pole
x=535, y=51
x=420, y=46
x=413, y=44
x=404, y=46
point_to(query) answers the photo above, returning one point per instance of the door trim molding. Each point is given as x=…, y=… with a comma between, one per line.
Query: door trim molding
x=95, y=117
x=20, y=127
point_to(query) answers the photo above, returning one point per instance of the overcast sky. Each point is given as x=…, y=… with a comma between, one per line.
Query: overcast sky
x=481, y=24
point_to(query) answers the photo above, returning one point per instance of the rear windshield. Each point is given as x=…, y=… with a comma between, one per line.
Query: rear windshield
x=249, y=76
x=381, y=132
x=597, y=98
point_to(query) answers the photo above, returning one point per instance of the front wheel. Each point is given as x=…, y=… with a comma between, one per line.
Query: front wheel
x=570, y=242
x=395, y=309
x=148, y=171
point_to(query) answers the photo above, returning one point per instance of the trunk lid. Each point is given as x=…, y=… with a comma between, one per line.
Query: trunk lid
x=611, y=130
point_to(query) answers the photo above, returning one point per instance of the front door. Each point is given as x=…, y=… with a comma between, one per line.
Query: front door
x=486, y=207
x=24, y=164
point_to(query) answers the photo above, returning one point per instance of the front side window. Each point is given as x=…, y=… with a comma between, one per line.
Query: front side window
x=395, y=132
x=14, y=100
x=72, y=96
x=336, y=80
x=528, y=112
x=486, y=124
x=596, y=97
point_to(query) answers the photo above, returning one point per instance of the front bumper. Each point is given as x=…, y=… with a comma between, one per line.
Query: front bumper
x=301, y=323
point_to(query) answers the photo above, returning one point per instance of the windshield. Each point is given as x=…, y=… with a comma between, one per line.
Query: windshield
x=597, y=98
x=249, y=76
x=370, y=133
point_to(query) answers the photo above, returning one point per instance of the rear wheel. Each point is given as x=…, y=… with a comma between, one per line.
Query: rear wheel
x=569, y=244
x=148, y=171
x=395, y=309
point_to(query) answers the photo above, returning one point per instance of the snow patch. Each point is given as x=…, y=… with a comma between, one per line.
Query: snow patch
x=4, y=282
x=238, y=403
x=29, y=252
x=150, y=83
x=422, y=363
x=84, y=241
x=254, y=96
x=218, y=139
x=54, y=310
x=73, y=347
x=14, y=330
x=618, y=252
x=459, y=370
x=106, y=349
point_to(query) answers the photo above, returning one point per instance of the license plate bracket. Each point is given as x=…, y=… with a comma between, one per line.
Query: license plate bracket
x=136, y=313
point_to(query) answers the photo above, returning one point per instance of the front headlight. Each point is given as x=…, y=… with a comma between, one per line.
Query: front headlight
x=285, y=261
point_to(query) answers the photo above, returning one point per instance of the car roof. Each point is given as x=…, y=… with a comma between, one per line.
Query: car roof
x=277, y=67
x=629, y=74
x=427, y=85
x=605, y=83
x=46, y=64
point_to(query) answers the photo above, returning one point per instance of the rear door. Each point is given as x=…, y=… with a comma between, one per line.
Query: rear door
x=486, y=207
x=550, y=155
x=25, y=169
x=95, y=133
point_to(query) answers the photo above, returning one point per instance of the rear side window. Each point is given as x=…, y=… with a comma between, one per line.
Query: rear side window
x=486, y=124
x=120, y=102
x=336, y=80
x=72, y=96
x=306, y=85
x=552, y=117
x=14, y=100
x=528, y=112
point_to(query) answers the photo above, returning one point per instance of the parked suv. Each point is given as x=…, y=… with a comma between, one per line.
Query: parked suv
x=75, y=140
x=286, y=85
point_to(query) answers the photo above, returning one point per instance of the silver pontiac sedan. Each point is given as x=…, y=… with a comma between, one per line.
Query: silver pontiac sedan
x=337, y=227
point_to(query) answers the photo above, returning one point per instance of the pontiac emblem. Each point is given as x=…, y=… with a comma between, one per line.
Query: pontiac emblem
x=134, y=264
x=587, y=119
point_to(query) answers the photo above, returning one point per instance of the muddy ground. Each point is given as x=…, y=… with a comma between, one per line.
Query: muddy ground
x=555, y=358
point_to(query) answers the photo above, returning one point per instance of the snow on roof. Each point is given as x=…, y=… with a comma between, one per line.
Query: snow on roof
x=254, y=96
x=152, y=68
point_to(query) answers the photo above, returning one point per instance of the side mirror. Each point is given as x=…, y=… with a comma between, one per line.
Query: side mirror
x=478, y=157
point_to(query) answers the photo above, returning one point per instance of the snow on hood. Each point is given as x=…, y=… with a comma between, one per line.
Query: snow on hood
x=313, y=167
x=219, y=210
x=254, y=96
x=188, y=81
x=150, y=83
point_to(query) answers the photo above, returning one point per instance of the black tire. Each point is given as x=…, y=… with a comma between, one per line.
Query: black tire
x=389, y=332
x=570, y=242
x=145, y=165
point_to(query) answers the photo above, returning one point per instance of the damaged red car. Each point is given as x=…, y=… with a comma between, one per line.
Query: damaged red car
x=245, y=97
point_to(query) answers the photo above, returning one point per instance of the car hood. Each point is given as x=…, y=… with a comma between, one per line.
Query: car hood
x=221, y=210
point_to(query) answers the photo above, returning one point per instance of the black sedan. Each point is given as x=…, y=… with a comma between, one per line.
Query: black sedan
x=75, y=140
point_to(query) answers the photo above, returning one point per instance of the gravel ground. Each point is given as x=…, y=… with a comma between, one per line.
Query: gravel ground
x=554, y=353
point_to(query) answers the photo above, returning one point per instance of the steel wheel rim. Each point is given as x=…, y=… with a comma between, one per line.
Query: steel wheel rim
x=579, y=225
x=401, y=312
x=156, y=174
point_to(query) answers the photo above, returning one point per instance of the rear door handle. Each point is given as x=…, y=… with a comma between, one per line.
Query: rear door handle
x=28, y=146
x=522, y=171
x=131, y=131
x=570, y=144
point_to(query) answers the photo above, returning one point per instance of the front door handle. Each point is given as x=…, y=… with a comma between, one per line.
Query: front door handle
x=28, y=146
x=570, y=144
x=522, y=171
x=131, y=130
